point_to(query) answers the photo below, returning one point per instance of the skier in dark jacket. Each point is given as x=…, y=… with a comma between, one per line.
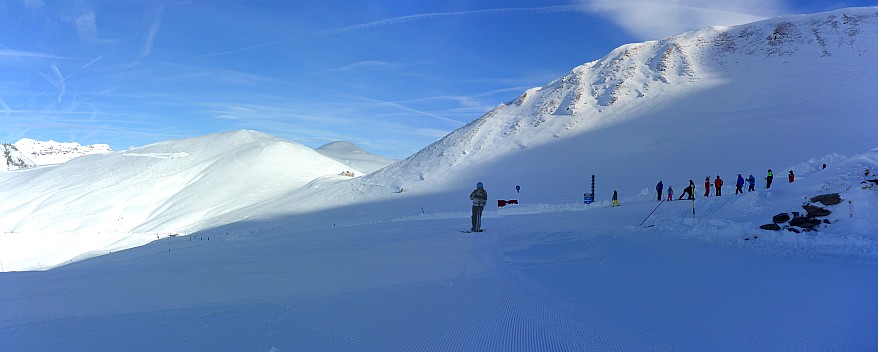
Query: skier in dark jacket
x=658, y=190
x=690, y=191
x=752, y=182
x=768, y=179
x=615, y=199
x=479, y=197
x=739, y=186
x=670, y=193
x=792, y=177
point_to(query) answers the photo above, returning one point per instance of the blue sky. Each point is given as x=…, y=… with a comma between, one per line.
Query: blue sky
x=390, y=76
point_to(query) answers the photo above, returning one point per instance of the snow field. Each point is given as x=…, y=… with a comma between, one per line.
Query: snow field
x=554, y=281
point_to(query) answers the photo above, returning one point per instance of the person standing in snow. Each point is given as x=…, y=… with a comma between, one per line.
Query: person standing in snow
x=739, y=186
x=792, y=177
x=670, y=193
x=658, y=190
x=752, y=181
x=718, y=184
x=707, y=186
x=479, y=197
x=768, y=179
x=615, y=199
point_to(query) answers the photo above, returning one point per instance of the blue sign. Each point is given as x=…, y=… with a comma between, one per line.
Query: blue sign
x=588, y=198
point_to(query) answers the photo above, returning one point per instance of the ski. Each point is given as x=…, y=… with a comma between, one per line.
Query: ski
x=469, y=231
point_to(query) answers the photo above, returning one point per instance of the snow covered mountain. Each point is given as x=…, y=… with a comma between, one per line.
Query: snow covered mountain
x=279, y=252
x=51, y=152
x=720, y=100
x=350, y=154
x=164, y=187
x=14, y=159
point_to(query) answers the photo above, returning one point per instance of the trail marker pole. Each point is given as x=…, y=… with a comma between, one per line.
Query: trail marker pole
x=592, y=185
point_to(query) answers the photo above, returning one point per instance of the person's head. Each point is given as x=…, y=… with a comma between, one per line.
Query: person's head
x=717, y=176
x=707, y=178
x=769, y=170
x=739, y=175
x=480, y=185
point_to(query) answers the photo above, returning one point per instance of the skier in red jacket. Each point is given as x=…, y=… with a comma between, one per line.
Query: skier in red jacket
x=707, y=186
x=718, y=184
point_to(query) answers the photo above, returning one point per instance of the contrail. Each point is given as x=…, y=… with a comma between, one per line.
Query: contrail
x=410, y=18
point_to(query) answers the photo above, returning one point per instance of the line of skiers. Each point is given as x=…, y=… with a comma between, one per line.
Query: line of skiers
x=689, y=191
x=480, y=197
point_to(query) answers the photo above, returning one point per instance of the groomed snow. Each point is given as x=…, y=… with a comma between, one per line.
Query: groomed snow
x=549, y=277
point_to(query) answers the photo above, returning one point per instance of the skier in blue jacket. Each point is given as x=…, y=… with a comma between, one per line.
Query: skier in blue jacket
x=658, y=189
x=739, y=186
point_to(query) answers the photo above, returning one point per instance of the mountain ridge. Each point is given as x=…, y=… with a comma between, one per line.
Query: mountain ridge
x=52, y=152
x=736, y=70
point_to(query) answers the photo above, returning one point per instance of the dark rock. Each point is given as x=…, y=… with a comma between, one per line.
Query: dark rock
x=796, y=214
x=793, y=229
x=815, y=211
x=781, y=218
x=805, y=222
x=771, y=227
x=826, y=221
x=827, y=199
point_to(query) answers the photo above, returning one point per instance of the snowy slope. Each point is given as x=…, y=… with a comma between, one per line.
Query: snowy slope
x=546, y=277
x=162, y=188
x=51, y=152
x=350, y=154
x=714, y=101
x=14, y=159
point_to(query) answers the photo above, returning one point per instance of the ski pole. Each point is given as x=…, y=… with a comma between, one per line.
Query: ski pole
x=653, y=211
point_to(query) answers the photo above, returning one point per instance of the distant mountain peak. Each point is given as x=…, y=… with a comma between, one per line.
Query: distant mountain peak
x=352, y=155
x=51, y=152
x=341, y=146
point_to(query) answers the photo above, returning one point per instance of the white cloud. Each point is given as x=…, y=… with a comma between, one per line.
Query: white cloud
x=34, y=5
x=659, y=19
x=86, y=26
